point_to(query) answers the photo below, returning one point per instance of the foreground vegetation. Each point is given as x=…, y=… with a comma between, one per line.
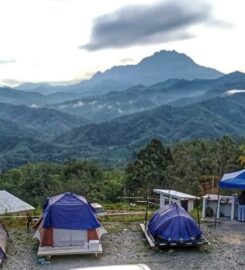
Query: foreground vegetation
x=186, y=166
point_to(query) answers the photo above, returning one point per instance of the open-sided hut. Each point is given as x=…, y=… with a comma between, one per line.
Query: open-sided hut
x=3, y=242
x=10, y=205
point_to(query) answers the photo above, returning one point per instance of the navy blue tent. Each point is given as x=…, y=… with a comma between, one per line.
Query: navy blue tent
x=68, y=220
x=69, y=211
x=173, y=223
x=233, y=180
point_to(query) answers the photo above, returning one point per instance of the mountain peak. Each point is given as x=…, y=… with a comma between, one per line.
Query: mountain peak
x=236, y=75
x=170, y=53
x=170, y=57
x=160, y=66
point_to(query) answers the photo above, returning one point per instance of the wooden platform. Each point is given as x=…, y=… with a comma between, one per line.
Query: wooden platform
x=148, y=237
x=154, y=243
x=69, y=250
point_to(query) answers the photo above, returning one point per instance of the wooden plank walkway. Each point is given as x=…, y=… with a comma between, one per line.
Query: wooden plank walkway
x=69, y=250
x=148, y=237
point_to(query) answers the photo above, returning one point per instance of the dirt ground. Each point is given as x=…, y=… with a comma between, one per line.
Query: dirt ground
x=125, y=244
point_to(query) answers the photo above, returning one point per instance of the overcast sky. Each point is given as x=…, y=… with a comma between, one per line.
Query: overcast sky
x=69, y=40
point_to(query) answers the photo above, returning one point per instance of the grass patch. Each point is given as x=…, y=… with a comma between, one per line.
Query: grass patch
x=195, y=213
x=123, y=207
x=115, y=224
x=123, y=219
x=14, y=222
x=126, y=207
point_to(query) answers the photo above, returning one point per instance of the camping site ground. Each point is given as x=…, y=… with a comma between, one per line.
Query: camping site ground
x=125, y=243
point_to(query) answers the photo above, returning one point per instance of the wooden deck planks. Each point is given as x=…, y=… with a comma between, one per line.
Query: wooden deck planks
x=152, y=244
x=70, y=250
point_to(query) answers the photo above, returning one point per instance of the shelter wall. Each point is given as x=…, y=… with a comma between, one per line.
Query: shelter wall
x=63, y=237
x=188, y=204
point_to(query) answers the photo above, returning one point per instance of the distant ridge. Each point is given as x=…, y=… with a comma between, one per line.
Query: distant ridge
x=207, y=119
x=175, y=92
x=160, y=66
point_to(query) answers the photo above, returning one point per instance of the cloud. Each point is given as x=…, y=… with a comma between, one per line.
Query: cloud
x=11, y=82
x=88, y=75
x=127, y=60
x=7, y=61
x=147, y=24
x=221, y=24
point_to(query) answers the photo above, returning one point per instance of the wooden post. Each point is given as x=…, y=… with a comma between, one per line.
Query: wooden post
x=217, y=209
x=233, y=204
x=198, y=217
x=146, y=211
x=204, y=205
x=162, y=200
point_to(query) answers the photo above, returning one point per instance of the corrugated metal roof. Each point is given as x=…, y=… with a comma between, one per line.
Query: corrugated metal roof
x=11, y=204
x=175, y=194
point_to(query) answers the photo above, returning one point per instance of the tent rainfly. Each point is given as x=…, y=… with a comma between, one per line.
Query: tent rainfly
x=233, y=180
x=172, y=225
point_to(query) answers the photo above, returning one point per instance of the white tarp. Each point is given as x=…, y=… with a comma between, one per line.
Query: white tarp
x=64, y=237
x=11, y=204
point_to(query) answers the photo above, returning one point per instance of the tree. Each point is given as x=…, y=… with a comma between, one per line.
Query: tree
x=113, y=185
x=241, y=157
x=35, y=182
x=85, y=178
x=227, y=156
x=190, y=162
x=148, y=171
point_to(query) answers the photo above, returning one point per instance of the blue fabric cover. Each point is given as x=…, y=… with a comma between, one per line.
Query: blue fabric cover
x=173, y=223
x=233, y=180
x=69, y=211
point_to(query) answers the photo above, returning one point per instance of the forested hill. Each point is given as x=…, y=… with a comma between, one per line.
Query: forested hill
x=208, y=119
x=43, y=120
x=115, y=141
x=139, y=98
x=190, y=167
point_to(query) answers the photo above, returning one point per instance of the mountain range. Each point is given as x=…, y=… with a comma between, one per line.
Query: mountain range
x=188, y=101
x=175, y=92
x=160, y=66
x=207, y=119
x=42, y=120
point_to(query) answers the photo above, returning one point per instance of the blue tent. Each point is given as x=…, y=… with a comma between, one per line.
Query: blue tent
x=173, y=223
x=69, y=211
x=233, y=180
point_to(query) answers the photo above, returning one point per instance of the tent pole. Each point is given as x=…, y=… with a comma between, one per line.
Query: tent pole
x=217, y=207
x=169, y=196
x=146, y=210
x=198, y=216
